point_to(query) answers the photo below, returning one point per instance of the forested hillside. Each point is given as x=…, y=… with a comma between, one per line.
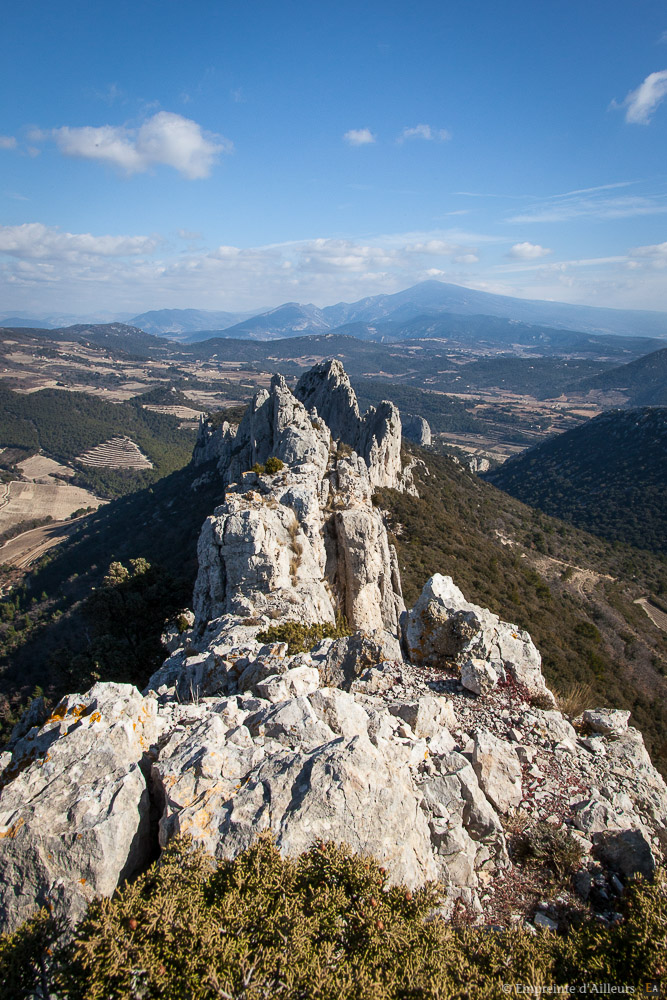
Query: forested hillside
x=63, y=425
x=608, y=476
x=444, y=413
x=643, y=380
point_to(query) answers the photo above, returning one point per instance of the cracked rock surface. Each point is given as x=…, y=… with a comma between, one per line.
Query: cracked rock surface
x=414, y=739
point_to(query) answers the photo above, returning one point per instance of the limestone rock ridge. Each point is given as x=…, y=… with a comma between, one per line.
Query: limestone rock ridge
x=416, y=738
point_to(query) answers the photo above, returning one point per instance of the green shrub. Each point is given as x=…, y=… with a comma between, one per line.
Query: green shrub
x=301, y=638
x=544, y=846
x=324, y=926
x=588, y=631
x=273, y=465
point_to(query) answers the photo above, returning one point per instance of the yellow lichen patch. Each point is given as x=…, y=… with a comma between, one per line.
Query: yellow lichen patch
x=13, y=829
x=58, y=713
x=78, y=710
x=95, y=717
x=82, y=881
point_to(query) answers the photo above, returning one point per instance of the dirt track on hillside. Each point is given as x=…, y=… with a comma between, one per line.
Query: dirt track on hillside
x=26, y=548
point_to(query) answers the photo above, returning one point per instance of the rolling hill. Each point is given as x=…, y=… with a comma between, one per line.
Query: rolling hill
x=111, y=336
x=607, y=476
x=644, y=380
x=178, y=324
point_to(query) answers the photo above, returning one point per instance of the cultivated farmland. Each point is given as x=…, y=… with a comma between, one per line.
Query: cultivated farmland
x=116, y=453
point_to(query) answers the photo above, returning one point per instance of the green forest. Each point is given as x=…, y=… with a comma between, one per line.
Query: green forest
x=63, y=425
x=607, y=476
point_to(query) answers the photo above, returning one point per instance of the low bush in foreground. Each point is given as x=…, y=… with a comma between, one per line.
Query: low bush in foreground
x=302, y=638
x=324, y=926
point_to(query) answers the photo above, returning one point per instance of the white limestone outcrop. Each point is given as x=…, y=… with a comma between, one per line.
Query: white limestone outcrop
x=413, y=739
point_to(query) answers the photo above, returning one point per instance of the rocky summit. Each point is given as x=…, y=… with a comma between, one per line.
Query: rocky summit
x=419, y=737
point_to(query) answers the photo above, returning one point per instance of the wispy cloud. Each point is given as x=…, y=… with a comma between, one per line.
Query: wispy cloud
x=426, y=132
x=164, y=139
x=594, y=190
x=111, y=94
x=7, y=142
x=359, y=137
x=33, y=240
x=528, y=251
x=641, y=103
x=565, y=208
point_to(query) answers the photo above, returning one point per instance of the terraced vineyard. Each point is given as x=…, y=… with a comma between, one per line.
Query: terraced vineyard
x=116, y=453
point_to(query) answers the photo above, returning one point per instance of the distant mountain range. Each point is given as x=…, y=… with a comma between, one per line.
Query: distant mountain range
x=415, y=308
x=607, y=476
x=178, y=324
x=431, y=309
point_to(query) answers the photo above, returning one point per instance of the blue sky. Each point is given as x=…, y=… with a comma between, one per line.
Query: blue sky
x=238, y=155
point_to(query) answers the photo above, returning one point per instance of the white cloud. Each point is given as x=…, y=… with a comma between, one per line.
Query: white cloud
x=359, y=137
x=653, y=256
x=434, y=247
x=653, y=250
x=165, y=138
x=7, y=142
x=642, y=102
x=424, y=132
x=33, y=240
x=528, y=251
x=44, y=268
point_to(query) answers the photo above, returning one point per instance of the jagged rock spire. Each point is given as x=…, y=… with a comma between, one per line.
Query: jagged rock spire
x=298, y=428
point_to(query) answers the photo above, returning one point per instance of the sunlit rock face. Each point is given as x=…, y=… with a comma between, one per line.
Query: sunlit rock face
x=413, y=739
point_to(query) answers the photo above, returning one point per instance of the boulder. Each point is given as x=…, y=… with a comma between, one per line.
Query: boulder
x=481, y=676
x=608, y=721
x=74, y=804
x=443, y=628
x=626, y=852
x=343, y=791
x=498, y=771
x=426, y=716
x=342, y=661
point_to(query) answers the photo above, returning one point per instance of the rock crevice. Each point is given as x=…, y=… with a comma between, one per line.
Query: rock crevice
x=420, y=758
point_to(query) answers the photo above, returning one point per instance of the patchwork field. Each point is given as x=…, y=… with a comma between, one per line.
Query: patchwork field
x=184, y=412
x=116, y=453
x=41, y=469
x=28, y=501
x=656, y=614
